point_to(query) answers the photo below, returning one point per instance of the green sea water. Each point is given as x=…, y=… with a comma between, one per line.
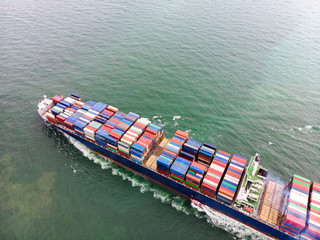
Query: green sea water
x=242, y=75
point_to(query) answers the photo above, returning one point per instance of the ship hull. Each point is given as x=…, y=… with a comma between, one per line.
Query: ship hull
x=182, y=189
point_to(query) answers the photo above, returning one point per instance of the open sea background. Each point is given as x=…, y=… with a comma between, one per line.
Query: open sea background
x=241, y=74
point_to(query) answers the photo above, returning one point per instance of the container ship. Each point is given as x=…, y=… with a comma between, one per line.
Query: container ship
x=231, y=184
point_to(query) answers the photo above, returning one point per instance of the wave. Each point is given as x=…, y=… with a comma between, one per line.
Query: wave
x=241, y=231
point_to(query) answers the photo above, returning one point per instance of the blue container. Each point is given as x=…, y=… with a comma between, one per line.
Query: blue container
x=99, y=107
x=178, y=138
x=79, y=125
x=105, y=115
x=102, y=133
x=221, y=159
x=195, y=169
x=55, y=112
x=75, y=95
x=100, y=120
x=88, y=105
x=164, y=163
x=65, y=103
x=208, y=145
x=168, y=155
x=111, y=140
x=61, y=106
x=178, y=171
x=135, y=153
x=187, y=155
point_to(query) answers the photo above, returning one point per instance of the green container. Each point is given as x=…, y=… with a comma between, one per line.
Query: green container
x=95, y=124
x=192, y=185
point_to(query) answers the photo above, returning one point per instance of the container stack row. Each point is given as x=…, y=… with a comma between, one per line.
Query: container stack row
x=171, y=151
x=231, y=179
x=312, y=230
x=195, y=175
x=146, y=142
x=103, y=124
x=179, y=168
x=214, y=174
x=295, y=212
x=190, y=149
x=115, y=133
x=206, y=153
x=131, y=136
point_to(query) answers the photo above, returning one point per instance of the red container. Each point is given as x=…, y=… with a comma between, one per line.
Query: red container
x=90, y=139
x=207, y=193
x=56, y=99
x=240, y=160
x=226, y=192
x=182, y=134
x=124, y=154
x=208, y=186
x=313, y=231
x=228, y=154
x=139, y=125
x=294, y=221
x=177, y=142
x=198, y=165
x=233, y=174
x=60, y=119
x=212, y=179
x=316, y=186
x=162, y=172
x=193, y=178
x=300, y=186
x=220, y=164
x=52, y=120
x=180, y=178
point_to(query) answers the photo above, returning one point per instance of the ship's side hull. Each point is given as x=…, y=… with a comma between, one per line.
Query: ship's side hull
x=184, y=190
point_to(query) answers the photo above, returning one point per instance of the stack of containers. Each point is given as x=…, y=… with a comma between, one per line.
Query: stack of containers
x=96, y=109
x=119, y=130
x=106, y=114
x=312, y=230
x=70, y=100
x=70, y=120
x=79, y=125
x=51, y=118
x=214, y=174
x=195, y=175
x=156, y=130
x=101, y=136
x=179, y=169
x=206, y=153
x=295, y=212
x=146, y=142
x=75, y=96
x=88, y=105
x=114, y=134
x=190, y=149
x=131, y=136
x=231, y=180
x=62, y=117
x=56, y=110
x=90, y=130
x=56, y=99
x=170, y=152
x=176, y=143
x=99, y=107
x=64, y=103
x=78, y=104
